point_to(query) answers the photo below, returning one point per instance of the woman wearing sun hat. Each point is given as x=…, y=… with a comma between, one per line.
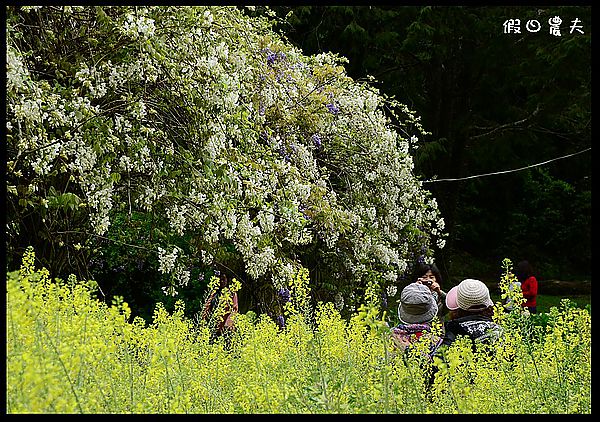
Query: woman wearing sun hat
x=416, y=311
x=472, y=309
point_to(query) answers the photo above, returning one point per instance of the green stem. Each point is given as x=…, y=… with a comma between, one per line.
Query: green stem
x=131, y=381
x=528, y=341
x=561, y=383
x=62, y=364
x=385, y=373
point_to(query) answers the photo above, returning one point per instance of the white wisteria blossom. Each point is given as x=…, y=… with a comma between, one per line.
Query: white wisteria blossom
x=239, y=148
x=167, y=260
x=338, y=301
x=140, y=26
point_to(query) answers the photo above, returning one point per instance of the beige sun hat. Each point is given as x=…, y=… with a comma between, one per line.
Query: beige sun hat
x=471, y=293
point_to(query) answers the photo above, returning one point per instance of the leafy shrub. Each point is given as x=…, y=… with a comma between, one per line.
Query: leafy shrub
x=244, y=152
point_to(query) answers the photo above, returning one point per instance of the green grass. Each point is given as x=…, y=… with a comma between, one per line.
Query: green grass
x=545, y=302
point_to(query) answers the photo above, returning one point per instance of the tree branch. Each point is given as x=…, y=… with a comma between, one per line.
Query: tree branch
x=506, y=126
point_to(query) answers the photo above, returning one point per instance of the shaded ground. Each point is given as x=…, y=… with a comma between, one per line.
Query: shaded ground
x=564, y=288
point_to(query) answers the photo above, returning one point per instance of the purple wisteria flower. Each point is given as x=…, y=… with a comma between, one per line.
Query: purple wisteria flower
x=284, y=294
x=333, y=109
x=384, y=299
x=284, y=153
x=281, y=321
x=273, y=57
x=316, y=140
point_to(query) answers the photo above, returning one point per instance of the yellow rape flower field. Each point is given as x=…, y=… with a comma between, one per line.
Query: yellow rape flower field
x=68, y=352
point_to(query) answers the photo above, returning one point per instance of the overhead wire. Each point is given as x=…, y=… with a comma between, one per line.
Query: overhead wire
x=506, y=171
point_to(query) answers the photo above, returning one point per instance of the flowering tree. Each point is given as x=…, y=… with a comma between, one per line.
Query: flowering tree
x=210, y=121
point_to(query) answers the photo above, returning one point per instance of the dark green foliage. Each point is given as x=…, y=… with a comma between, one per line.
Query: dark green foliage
x=131, y=271
x=493, y=102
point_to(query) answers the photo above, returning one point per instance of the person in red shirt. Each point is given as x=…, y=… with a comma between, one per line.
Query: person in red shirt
x=529, y=285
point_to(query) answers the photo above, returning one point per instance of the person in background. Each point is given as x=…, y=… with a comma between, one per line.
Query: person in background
x=416, y=311
x=430, y=276
x=529, y=285
x=225, y=322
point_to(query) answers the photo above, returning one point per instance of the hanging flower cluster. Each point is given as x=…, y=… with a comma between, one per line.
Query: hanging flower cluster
x=209, y=119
